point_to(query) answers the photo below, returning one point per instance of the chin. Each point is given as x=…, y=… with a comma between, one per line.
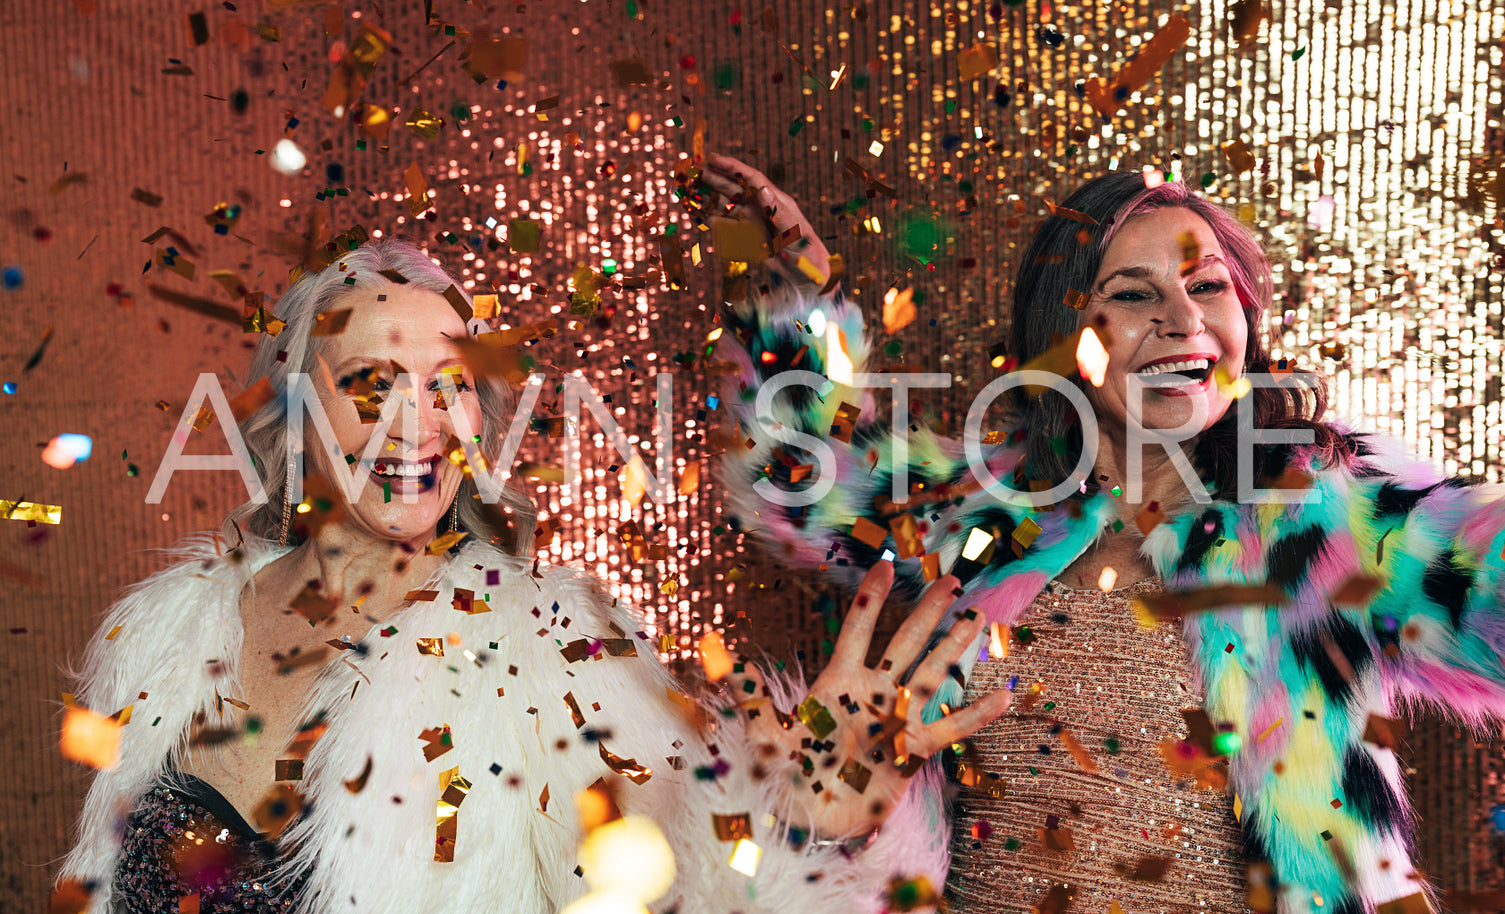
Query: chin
x=1174, y=408
x=400, y=520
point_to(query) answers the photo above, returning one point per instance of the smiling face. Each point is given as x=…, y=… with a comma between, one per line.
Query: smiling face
x=394, y=329
x=1166, y=327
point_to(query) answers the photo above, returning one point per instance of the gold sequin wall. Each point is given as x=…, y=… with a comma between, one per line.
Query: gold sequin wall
x=923, y=139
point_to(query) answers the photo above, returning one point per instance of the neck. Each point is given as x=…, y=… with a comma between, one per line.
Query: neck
x=1158, y=480
x=351, y=567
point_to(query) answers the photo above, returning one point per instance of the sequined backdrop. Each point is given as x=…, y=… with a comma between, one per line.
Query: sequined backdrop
x=1362, y=140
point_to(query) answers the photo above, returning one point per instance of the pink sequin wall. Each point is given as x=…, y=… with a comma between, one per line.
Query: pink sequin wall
x=1363, y=143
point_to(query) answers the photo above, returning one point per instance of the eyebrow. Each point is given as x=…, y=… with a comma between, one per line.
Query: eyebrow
x=1145, y=273
x=362, y=361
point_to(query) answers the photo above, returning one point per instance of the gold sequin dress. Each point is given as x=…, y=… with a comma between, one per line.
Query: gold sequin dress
x=1118, y=690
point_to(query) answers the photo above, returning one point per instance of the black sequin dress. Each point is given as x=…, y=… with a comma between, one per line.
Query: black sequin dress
x=185, y=839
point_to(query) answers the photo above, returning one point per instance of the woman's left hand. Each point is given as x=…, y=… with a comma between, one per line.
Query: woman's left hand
x=866, y=723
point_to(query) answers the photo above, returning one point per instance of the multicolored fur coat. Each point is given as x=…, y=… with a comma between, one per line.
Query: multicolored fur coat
x=1297, y=681
x=531, y=700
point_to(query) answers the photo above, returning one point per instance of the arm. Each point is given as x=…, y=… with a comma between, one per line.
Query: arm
x=865, y=479
x=1440, y=621
x=166, y=625
x=1391, y=581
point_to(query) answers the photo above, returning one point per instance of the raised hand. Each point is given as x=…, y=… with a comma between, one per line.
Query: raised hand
x=755, y=198
x=861, y=728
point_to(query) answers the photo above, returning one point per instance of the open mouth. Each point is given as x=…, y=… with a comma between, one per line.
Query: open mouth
x=406, y=476
x=1185, y=373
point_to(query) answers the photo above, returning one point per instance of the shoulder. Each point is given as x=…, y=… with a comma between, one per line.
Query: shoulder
x=179, y=611
x=194, y=568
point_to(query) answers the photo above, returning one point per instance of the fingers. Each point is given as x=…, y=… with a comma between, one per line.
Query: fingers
x=723, y=184
x=912, y=635
x=737, y=170
x=961, y=723
x=857, y=627
x=937, y=664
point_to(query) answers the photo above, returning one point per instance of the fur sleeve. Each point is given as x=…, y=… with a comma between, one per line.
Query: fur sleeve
x=851, y=527
x=167, y=628
x=1390, y=580
x=1440, y=618
x=776, y=334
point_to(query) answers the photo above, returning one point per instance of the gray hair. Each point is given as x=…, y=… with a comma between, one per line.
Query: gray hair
x=295, y=350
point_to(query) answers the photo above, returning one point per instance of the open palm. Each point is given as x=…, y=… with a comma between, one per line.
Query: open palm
x=860, y=731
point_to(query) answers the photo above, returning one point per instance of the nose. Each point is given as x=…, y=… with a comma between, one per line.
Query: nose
x=1179, y=315
x=421, y=418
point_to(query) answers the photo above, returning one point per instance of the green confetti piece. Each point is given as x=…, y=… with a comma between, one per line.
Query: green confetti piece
x=1297, y=54
x=797, y=125
x=1226, y=743
x=728, y=76
x=1207, y=178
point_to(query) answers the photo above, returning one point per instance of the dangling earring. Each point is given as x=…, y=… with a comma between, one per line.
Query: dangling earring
x=287, y=502
x=454, y=515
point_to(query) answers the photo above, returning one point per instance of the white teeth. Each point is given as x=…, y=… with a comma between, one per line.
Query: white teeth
x=1188, y=365
x=405, y=469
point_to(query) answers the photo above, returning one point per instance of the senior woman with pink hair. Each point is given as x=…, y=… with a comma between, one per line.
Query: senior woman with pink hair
x=1209, y=620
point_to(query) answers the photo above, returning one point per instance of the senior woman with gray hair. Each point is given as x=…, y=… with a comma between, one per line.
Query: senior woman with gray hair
x=320, y=687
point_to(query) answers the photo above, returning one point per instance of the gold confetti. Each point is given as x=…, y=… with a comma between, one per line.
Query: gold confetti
x=855, y=774
x=1238, y=156
x=418, y=189
x=31, y=511
x=714, y=657
x=898, y=309
x=358, y=783
x=628, y=767
x=445, y=543
x=575, y=713
x=816, y=717
x=978, y=60
x=277, y=809
x=89, y=738
x=1107, y=97
x=452, y=792
x=732, y=826
x=424, y=123
x=1091, y=358
x=745, y=855
x=437, y=741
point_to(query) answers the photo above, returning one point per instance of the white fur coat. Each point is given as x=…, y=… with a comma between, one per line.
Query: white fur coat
x=500, y=687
